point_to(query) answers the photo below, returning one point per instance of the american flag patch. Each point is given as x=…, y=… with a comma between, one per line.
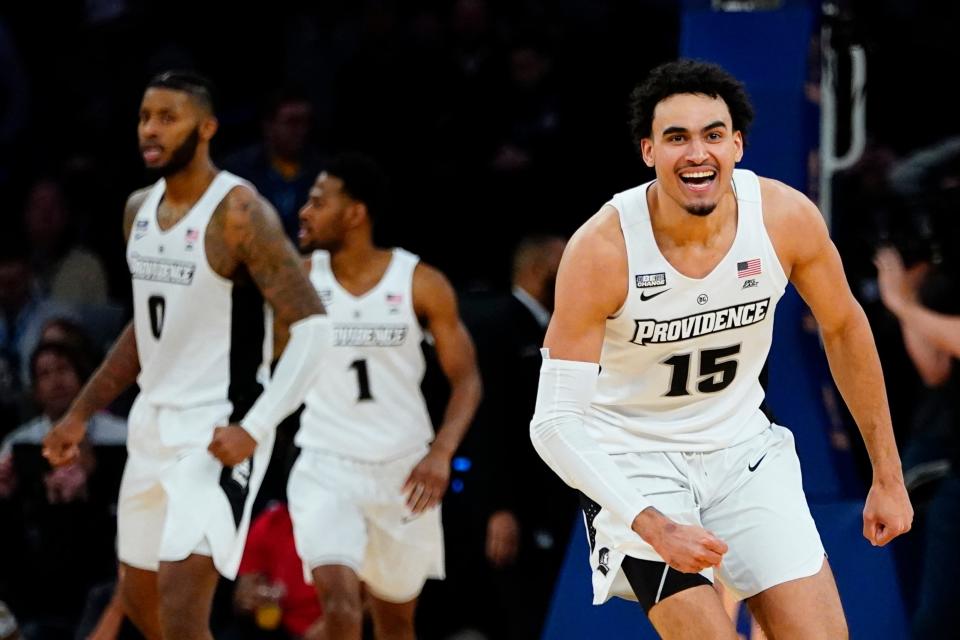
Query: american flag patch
x=192, y=235
x=748, y=268
x=394, y=298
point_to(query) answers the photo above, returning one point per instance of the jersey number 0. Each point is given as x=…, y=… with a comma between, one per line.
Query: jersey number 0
x=157, y=307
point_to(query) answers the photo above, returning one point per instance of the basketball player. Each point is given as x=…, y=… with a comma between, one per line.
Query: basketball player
x=671, y=289
x=365, y=493
x=205, y=251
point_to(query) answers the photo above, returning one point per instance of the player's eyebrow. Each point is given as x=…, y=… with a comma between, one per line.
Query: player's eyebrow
x=669, y=131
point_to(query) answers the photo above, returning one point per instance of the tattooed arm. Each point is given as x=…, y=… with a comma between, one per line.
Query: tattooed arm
x=254, y=240
x=117, y=372
x=281, y=332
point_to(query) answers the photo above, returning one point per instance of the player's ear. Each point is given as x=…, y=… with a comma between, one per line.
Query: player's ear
x=738, y=142
x=356, y=214
x=646, y=150
x=208, y=127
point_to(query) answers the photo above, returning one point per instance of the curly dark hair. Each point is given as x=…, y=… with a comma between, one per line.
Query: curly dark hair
x=363, y=180
x=688, y=76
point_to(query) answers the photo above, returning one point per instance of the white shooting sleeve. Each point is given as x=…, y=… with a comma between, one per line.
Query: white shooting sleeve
x=296, y=370
x=560, y=437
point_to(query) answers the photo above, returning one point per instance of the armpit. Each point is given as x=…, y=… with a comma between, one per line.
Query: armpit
x=134, y=202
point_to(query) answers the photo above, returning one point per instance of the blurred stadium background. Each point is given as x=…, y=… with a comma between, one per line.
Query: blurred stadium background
x=495, y=120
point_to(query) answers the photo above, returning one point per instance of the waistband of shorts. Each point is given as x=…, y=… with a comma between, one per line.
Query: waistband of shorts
x=363, y=462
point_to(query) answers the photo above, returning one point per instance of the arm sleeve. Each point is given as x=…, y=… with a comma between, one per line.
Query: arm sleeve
x=560, y=437
x=295, y=372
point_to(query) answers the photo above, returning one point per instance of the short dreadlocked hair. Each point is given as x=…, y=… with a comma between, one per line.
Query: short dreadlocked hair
x=198, y=87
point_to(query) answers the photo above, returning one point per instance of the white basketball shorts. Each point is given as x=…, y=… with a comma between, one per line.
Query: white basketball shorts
x=176, y=499
x=352, y=512
x=749, y=495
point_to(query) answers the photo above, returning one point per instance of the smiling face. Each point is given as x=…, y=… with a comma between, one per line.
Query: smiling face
x=694, y=149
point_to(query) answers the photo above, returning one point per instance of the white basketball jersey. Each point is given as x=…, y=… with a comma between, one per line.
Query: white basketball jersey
x=680, y=362
x=201, y=338
x=366, y=402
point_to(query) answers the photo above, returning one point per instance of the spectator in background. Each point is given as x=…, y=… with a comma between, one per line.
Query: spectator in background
x=530, y=111
x=933, y=341
x=65, y=271
x=270, y=587
x=59, y=369
x=534, y=511
x=63, y=517
x=933, y=438
x=66, y=331
x=284, y=164
x=23, y=311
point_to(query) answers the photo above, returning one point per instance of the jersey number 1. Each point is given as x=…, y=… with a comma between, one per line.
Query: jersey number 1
x=716, y=374
x=362, y=379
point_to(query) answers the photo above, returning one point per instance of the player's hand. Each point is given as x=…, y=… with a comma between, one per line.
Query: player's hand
x=887, y=513
x=503, y=538
x=896, y=290
x=61, y=445
x=231, y=445
x=427, y=483
x=686, y=548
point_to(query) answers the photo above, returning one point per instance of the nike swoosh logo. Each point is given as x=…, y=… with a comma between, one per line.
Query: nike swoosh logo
x=753, y=467
x=645, y=297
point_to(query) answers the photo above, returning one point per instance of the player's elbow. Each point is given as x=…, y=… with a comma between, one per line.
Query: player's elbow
x=844, y=322
x=543, y=431
x=546, y=431
x=540, y=429
x=467, y=382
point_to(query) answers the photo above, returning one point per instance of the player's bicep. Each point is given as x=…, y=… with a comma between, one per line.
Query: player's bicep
x=455, y=351
x=802, y=241
x=573, y=335
x=260, y=243
x=438, y=305
x=821, y=282
x=590, y=288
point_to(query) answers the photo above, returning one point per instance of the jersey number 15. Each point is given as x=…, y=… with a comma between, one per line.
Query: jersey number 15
x=716, y=374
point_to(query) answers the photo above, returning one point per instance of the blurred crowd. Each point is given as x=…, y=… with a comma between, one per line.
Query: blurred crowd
x=897, y=230
x=487, y=190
